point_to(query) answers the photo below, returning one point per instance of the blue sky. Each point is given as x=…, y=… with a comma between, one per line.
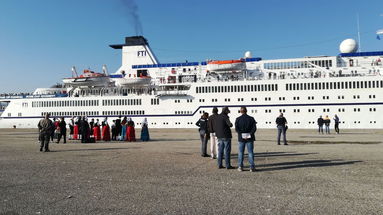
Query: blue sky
x=40, y=40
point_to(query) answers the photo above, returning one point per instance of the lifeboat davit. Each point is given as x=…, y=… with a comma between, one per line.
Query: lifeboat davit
x=88, y=78
x=226, y=65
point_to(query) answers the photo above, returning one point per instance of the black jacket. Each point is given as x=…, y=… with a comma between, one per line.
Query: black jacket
x=245, y=124
x=281, y=121
x=320, y=121
x=62, y=125
x=221, y=125
x=210, y=123
x=202, y=124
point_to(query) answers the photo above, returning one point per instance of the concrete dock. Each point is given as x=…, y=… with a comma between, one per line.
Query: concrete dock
x=314, y=174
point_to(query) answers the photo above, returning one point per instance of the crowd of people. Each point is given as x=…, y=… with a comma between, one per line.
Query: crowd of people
x=89, y=132
x=326, y=122
x=217, y=128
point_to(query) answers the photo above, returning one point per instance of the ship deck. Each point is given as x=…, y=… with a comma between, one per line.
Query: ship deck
x=315, y=174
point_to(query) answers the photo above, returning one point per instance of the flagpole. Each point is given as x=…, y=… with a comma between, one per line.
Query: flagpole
x=360, y=45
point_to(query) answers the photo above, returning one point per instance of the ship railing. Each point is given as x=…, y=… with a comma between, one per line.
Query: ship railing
x=172, y=93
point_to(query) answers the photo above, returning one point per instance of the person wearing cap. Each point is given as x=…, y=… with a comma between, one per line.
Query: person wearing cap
x=222, y=130
x=245, y=126
x=213, y=137
x=46, y=127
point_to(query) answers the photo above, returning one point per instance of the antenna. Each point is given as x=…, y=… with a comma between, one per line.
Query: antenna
x=360, y=45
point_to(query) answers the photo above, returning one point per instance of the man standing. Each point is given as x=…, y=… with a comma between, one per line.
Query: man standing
x=320, y=122
x=327, y=124
x=222, y=130
x=281, y=125
x=336, y=121
x=245, y=126
x=62, y=126
x=213, y=137
x=45, y=130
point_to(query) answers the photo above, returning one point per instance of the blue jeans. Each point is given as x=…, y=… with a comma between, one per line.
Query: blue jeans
x=320, y=129
x=224, y=145
x=241, y=150
x=281, y=130
x=327, y=128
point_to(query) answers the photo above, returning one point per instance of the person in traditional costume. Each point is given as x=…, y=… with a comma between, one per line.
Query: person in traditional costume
x=131, y=133
x=106, y=131
x=71, y=128
x=76, y=129
x=97, y=130
x=145, y=130
x=123, y=129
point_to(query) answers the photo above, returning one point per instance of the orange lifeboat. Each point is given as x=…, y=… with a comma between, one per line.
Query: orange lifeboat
x=226, y=65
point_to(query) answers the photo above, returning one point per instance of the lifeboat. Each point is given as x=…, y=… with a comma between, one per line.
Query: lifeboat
x=226, y=65
x=133, y=81
x=88, y=78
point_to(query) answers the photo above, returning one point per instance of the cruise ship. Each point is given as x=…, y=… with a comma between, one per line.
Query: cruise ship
x=174, y=95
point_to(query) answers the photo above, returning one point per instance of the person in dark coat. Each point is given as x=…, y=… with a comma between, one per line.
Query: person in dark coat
x=46, y=127
x=222, y=130
x=84, y=130
x=202, y=123
x=118, y=126
x=245, y=126
x=62, y=126
x=281, y=125
x=336, y=123
x=91, y=124
x=213, y=137
x=320, y=122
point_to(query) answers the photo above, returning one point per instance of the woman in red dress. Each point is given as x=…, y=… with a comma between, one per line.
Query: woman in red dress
x=131, y=133
x=106, y=132
x=96, y=130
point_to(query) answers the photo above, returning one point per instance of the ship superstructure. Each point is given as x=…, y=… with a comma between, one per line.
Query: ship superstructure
x=174, y=95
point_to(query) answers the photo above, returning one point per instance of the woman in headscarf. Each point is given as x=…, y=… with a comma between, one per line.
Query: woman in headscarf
x=96, y=130
x=145, y=130
x=106, y=131
x=123, y=129
x=131, y=133
x=76, y=128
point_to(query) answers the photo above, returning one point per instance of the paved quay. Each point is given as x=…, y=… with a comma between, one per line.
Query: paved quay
x=315, y=174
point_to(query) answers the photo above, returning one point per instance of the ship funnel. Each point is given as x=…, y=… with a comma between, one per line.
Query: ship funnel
x=135, y=51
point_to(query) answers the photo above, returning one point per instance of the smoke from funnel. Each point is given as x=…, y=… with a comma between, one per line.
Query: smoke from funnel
x=133, y=13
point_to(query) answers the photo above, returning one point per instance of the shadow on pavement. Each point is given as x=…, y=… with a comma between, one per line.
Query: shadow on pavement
x=303, y=164
x=274, y=154
x=95, y=149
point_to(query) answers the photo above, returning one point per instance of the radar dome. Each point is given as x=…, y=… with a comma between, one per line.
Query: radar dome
x=248, y=54
x=348, y=46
